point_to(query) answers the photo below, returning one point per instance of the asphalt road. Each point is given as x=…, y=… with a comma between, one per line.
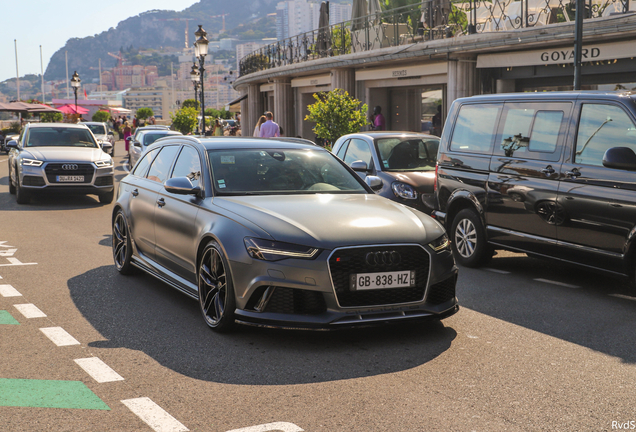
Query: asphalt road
x=535, y=347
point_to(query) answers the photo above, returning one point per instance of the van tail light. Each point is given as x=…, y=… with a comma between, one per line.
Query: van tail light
x=435, y=182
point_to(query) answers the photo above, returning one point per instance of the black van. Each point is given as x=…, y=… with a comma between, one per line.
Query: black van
x=549, y=174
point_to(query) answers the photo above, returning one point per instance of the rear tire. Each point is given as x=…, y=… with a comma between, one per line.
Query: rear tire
x=469, y=239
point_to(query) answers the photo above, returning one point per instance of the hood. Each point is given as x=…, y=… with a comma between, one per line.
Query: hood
x=328, y=221
x=66, y=154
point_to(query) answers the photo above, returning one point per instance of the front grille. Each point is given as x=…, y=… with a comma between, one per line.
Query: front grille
x=442, y=292
x=295, y=301
x=104, y=181
x=32, y=181
x=53, y=170
x=345, y=262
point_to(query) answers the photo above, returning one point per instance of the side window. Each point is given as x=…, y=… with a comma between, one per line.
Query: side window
x=342, y=150
x=602, y=127
x=475, y=128
x=531, y=131
x=142, y=165
x=358, y=150
x=160, y=167
x=188, y=165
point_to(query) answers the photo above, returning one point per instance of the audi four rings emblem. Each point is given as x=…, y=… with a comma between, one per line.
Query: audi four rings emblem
x=69, y=167
x=383, y=258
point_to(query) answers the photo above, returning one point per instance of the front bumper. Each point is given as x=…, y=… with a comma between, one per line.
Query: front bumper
x=301, y=294
x=97, y=180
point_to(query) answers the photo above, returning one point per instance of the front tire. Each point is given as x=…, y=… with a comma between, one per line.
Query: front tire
x=11, y=185
x=122, y=246
x=216, y=290
x=107, y=198
x=469, y=239
x=21, y=196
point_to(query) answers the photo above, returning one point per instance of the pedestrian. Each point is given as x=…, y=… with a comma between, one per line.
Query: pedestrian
x=135, y=121
x=379, y=124
x=269, y=129
x=218, y=128
x=127, y=134
x=257, y=128
x=437, y=122
x=120, y=128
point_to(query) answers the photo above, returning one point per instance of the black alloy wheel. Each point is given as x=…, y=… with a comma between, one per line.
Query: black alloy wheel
x=469, y=239
x=216, y=293
x=122, y=247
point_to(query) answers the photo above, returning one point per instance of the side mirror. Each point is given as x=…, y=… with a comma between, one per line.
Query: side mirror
x=375, y=183
x=136, y=143
x=181, y=186
x=622, y=158
x=110, y=132
x=12, y=144
x=359, y=166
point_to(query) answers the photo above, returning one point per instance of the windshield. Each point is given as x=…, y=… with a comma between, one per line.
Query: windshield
x=149, y=138
x=60, y=137
x=408, y=154
x=266, y=172
x=97, y=129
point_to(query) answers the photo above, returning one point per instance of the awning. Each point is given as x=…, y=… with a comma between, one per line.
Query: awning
x=118, y=110
x=235, y=105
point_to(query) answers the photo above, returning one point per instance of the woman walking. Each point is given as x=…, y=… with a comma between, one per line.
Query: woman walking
x=257, y=128
x=127, y=133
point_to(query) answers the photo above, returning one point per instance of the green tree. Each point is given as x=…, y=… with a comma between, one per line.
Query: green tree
x=51, y=117
x=144, y=113
x=336, y=114
x=215, y=113
x=184, y=120
x=101, y=116
x=191, y=103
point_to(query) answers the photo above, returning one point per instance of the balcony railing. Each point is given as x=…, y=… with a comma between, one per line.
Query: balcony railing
x=429, y=20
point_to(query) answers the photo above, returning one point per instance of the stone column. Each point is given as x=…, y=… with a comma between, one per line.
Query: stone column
x=462, y=79
x=344, y=79
x=251, y=109
x=284, y=106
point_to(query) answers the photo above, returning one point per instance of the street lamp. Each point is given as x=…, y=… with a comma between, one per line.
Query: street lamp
x=196, y=78
x=200, y=51
x=75, y=83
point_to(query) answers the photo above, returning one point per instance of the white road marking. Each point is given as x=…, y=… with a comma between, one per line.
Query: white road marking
x=8, y=252
x=2, y=244
x=30, y=310
x=3, y=160
x=15, y=262
x=496, y=270
x=99, y=370
x=557, y=283
x=9, y=291
x=59, y=336
x=271, y=427
x=624, y=297
x=153, y=415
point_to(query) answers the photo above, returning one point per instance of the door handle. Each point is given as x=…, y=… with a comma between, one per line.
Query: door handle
x=573, y=173
x=548, y=170
x=161, y=202
x=135, y=192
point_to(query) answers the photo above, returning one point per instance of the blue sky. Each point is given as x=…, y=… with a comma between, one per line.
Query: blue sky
x=51, y=23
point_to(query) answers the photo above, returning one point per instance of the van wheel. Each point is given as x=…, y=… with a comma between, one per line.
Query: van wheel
x=469, y=239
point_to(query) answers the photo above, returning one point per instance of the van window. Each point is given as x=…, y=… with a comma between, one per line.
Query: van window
x=475, y=128
x=545, y=131
x=602, y=127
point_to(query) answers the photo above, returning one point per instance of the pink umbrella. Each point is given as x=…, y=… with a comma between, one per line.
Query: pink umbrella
x=70, y=109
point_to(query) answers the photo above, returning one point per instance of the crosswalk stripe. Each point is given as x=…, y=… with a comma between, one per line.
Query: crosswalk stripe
x=153, y=415
x=59, y=336
x=99, y=370
x=9, y=291
x=30, y=310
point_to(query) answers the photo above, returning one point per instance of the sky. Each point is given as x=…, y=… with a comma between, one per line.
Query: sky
x=51, y=23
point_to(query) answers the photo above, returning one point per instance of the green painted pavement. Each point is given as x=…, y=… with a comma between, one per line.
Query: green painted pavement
x=48, y=394
x=6, y=318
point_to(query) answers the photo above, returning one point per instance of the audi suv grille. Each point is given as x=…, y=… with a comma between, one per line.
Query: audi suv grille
x=53, y=170
x=345, y=262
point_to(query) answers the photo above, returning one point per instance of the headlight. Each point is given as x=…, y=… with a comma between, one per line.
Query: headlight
x=104, y=163
x=404, y=190
x=274, y=251
x=31, y=162
x=441, y=244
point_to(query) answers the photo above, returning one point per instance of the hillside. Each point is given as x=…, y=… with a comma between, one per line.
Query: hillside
x=153, y=29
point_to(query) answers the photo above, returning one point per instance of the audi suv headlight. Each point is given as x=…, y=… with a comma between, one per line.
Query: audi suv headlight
x=268, y=250
x=104, y=163
x=31, y=162
x=441, y=244
x=404, y=190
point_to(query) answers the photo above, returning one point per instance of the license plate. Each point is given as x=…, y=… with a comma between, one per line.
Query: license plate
x=70, y=178
x=370, y=281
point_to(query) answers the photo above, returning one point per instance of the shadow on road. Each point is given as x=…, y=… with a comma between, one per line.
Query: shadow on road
x=600, y=314
x=141, y=313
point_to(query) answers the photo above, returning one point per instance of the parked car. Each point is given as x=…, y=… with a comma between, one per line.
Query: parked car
x=59, y=157
x=143, y=139
x=145, y=128
x=404, y=162
x=105, y=137
x=549, y=174
x=280, y=234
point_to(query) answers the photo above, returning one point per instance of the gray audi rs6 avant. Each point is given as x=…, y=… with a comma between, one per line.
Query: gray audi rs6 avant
x=278, y=233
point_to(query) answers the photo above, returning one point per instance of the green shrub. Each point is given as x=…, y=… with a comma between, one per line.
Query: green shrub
x=184, y=120
x=144, y=113
x=101, y=116
x=52, y=117
x=336, y=114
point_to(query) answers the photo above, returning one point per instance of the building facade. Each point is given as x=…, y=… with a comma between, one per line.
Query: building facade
x=159, y=99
